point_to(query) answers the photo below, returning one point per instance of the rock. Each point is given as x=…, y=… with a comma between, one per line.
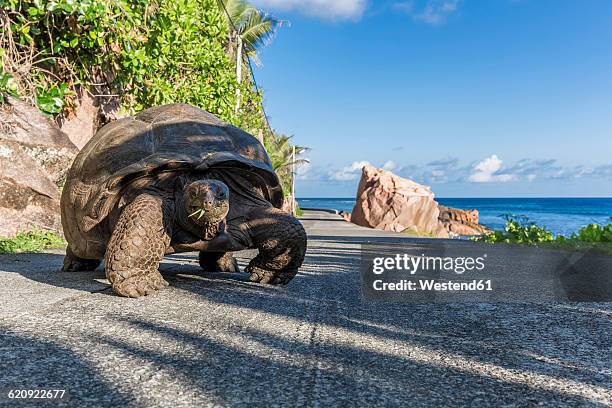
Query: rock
x=28, y=198
x=392, y=203
x=461, y=222
x=37, y=136
x=456, y=214
x=90, y=114
x=81, y=125
x=34, y=158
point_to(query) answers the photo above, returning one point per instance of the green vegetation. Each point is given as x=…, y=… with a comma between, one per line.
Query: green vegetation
x=518, y=231
x=280, y=150
x=32, y=241
x=7, y=85
x=521, y=231
x=146, y=52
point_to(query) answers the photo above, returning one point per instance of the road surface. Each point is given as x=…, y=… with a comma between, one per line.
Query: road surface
x=213, y=340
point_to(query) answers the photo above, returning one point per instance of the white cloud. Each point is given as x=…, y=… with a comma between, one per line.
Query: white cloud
x=349, y=172
x=327, y=9
x=451, y=170
x=434, y=12
x=390, y=165
x=487, y=171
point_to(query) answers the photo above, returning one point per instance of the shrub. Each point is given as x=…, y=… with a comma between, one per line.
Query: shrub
x=521, y=231
x=518, y=230
x=32, y=241
x=146, y=52
x=594, y=233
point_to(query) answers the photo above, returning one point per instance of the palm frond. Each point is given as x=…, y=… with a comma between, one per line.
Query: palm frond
x=255, y=27
x=257, y=30
x=238, y=11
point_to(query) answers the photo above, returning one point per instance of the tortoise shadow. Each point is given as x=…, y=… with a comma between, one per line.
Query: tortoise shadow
x=46, y=267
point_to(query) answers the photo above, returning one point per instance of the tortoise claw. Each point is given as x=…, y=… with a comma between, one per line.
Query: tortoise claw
x=260, y=275
x=140, y=285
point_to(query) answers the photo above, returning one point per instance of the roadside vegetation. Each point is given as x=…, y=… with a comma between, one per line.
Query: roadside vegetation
x=519, y=230
x=144, y=52
x=31, y=241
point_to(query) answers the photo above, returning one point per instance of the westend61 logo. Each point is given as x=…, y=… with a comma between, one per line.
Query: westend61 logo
x=412, y=264
x=447, y=272
x=392, y=275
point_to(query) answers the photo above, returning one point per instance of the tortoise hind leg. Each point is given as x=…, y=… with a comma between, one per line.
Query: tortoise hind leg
x=218, y=262
x=137, y=245
x=281, y=241
x=73, y=263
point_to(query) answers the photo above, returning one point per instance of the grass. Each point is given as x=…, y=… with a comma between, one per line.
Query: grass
x=31, y=241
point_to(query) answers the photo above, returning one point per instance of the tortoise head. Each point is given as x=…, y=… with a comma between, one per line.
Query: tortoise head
x=206, y=202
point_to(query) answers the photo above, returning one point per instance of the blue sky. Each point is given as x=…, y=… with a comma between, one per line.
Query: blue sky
x=474, y=98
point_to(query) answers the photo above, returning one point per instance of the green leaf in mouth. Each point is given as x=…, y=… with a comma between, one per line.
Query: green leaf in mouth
x=199, y=212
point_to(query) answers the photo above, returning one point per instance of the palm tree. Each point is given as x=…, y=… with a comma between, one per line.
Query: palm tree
x=250, y=28
x=253, y=27
x=280, y=150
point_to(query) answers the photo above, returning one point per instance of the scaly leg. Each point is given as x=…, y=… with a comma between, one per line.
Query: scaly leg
x=137, y=245
x=281, y=241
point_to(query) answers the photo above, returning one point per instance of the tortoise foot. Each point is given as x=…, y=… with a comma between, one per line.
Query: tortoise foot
x=261, y=275
x=140, y=285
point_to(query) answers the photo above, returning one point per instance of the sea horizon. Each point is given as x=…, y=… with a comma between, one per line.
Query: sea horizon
x=560, y=215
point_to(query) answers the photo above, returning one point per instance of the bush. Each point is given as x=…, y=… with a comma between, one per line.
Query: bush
x=146, y=52
x=32, y=241
x=518, y=231
x=593, y=233
x=521, y=231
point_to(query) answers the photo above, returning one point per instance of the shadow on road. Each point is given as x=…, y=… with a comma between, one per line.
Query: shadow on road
x=316, y=341
x=35, y=364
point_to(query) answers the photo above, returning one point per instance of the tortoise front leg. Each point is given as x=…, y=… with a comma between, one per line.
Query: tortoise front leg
x=137, y=245
x=281, y=241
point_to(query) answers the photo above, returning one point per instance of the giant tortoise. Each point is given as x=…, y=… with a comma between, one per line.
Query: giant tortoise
x=175, y=178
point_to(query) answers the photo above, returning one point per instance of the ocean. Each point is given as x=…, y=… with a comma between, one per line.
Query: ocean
x=559, y=215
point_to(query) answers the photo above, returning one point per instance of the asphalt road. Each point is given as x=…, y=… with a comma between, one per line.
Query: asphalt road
x=215, y=340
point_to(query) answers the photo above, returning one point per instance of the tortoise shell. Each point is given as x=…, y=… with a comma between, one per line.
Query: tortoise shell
x=171, y=138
